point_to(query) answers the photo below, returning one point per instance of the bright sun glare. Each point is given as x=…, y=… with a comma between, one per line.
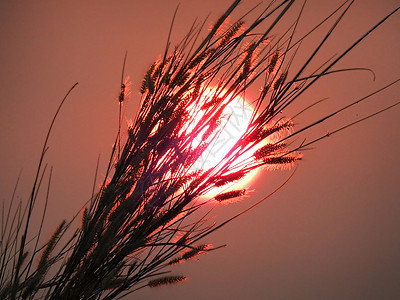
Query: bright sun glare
x=235, y=118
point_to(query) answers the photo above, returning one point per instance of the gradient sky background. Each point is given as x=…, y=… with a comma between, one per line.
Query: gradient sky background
x=332, y=232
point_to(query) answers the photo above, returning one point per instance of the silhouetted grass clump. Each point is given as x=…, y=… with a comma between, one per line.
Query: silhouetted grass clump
x=146, y=216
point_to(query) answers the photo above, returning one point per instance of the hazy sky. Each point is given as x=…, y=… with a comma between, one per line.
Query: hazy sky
x=332, y=232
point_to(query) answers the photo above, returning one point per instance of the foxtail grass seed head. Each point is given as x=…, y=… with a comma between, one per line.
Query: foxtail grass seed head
x=230, y=195
x=247, y=64
x=125, y=91
x=199, y=59
x=280, y=160
x=280, y=81
x=148, y=83
x=175, y=261
x=231, y=33
x=194, y=252
x=273, y=62
x=51, y=244
x=167, y=280
x=277, y=128
x=84, y=218
x=122, y=93
x=268, y=150
x=222, y=180
x=264, y=132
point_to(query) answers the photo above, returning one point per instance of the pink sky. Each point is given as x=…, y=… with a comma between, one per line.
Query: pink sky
x=332, y=232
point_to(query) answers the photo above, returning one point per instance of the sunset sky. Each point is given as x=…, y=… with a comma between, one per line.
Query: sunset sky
x=332, y=232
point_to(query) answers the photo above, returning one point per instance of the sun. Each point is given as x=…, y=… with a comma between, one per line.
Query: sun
x=236, y=116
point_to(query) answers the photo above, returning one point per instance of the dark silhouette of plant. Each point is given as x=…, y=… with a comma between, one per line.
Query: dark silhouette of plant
x=146, y=216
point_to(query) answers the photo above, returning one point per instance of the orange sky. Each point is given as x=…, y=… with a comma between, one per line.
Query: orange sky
x=331, y=233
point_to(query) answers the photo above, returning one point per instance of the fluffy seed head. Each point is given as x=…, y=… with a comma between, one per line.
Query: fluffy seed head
x=230, y=33
x=166, y=280
x=229, y=195
x=282, y=160
x=264, y=132
x=273, y=61
x=267, y=150
x=148, y=83
x=230, y=178
x=248, y=59
x=279, y=82
x=190, y=254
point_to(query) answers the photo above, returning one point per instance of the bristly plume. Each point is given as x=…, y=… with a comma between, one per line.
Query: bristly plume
x=84, y=218
x=232, y=31
x=248, y=60
x=50, y=245
x=222, y=180
x=273, y=62
x=276, y=128
x=200, y=58
x=166, y=280
x=194, y=252
x=267, y=150
x=230, y=195
x=148, y=83
x=280, y=160
x=280, y=81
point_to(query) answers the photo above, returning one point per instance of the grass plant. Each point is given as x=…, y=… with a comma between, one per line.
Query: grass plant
x=148, y=214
